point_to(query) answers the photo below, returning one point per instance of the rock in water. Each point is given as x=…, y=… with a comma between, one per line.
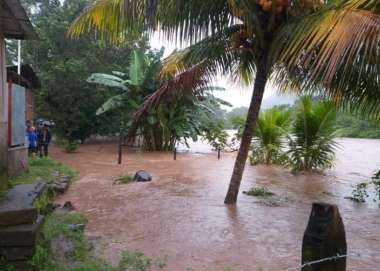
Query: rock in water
x=142, y=176
x=324, y=238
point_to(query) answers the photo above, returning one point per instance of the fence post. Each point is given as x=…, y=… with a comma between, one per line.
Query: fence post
x=175, y=153
x=120, y=151
x=324, y=237
x=218, y=153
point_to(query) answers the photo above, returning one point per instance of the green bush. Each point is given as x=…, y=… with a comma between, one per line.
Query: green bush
x=71, y=146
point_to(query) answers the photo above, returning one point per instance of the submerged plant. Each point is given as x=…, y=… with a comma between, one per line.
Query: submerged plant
x=359, y=194
x=259, y=192
x=269, y=137
x=312, y=142
x=360, y=191
x=124, y=179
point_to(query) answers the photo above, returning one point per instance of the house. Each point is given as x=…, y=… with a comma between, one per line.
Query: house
x=21, y=88
x=27, y=79
x=14, y=24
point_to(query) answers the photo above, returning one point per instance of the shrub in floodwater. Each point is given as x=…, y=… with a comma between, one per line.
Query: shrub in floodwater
x=124, y=179
x=259, y=192
x=71, y=145
x=312, y=142
x=269, y=137
x=359, y=193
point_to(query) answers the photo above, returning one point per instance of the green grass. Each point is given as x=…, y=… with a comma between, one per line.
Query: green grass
x=259, y=192
x=124, y=179
x=44, y=169
x=57, y=225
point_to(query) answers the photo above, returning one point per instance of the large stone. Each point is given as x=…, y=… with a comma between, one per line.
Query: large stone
x=142, y=176
x=17, y=205
x=324, y=238
x=20, y=235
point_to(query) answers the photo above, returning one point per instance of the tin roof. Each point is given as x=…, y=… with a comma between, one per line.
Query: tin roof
x=14, y=22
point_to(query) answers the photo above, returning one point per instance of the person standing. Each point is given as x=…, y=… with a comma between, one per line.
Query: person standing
x=32, y=140
x=44, y=138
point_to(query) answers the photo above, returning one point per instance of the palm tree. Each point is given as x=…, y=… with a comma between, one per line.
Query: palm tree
x=269, y=135
x=312, y=143
x=328, y=46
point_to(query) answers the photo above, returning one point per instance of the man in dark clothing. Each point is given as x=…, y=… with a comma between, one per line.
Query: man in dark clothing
x=44, y=137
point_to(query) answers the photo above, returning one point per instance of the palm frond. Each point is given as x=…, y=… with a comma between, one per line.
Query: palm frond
x=332, y=52
x=216, y=49
x=192, y=80
x=181, y=20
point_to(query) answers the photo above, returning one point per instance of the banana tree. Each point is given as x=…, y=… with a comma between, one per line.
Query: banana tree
x=160, y=120
x=330, y=47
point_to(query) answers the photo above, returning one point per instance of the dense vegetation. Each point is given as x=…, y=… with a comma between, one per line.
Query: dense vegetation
x=160, y=108
x=347, y=124
x=301, y=136
x=63, y=66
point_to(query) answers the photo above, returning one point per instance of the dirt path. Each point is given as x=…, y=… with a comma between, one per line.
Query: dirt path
x=181, y=215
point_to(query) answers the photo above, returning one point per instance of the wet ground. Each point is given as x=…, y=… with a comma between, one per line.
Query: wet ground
x=180, y=215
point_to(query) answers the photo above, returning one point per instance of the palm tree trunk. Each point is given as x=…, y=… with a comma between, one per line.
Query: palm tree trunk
x=253, y=112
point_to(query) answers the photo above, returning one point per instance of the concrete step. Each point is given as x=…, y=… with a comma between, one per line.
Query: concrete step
x=21, y=235
x=17, y=253
x=16, y=207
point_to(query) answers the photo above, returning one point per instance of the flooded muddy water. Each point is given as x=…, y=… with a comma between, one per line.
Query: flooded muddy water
x=180, y=215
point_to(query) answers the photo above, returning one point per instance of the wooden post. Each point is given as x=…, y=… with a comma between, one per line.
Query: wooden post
x=3, y=118
x=218, y=153
x=324, y=238
x=175, y=153
x=120, y=148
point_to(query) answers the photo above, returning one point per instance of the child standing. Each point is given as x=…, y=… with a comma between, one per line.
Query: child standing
x=32, y=139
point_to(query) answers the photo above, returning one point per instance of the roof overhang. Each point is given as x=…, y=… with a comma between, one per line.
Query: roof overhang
x=14, y=22
x=28, y=77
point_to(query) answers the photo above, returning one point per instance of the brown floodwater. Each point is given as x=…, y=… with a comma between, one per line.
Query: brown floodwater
x=180, y=215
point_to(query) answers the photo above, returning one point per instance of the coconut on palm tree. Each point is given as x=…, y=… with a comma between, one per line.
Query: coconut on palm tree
x=325, y=46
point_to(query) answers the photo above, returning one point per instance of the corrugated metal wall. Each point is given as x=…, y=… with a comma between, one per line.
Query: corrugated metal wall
x=17, y=116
